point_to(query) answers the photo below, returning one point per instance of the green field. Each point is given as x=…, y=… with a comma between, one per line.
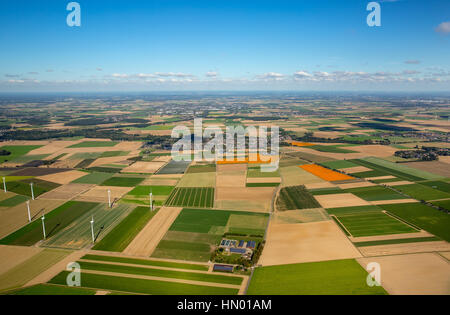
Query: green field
x=55, y=221
x=153, y=272
x=146, y=262
x=195, y=232
x=16, y=151
x=262, y=184
x=338, y=277
x=352, y=210
x=94, y=144
x=30, y=268
x=296, y=197
x=201, y=169
x=255, y=172
x=175, y=167
x=331, y=148
x=326, y=191
x=373, y=223
x=78, y=235
x=94, y=178
x=114, y=153
x=439, y=185
x=398, y=241
x=50, y=289
x=425, y=217
x=13, y=201
x=374, y=193
x=442, y=203
x=156, y=190
x=23, y=187
x=142, y=286
x=201, y=197
x=338, y=164
x=396, y=169
x=122, y=235
x=123, y=181
x=422, y=192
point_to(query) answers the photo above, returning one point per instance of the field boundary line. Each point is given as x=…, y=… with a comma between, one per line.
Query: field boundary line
x=123, y=255
x=176, y=280
x=159, y=267
x=341, y=225
x=415, y=227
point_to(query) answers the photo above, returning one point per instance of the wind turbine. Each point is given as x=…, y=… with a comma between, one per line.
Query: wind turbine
x=151, y=200
x=92, y=229
x=109, y=197
x=32, y=191
x=28, y=207
x=43, y=226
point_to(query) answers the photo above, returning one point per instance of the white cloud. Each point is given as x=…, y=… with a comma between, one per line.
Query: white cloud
x=444, y=27
x=302, y=75
x=270, y=76
x=412, y=62
x=212, y=74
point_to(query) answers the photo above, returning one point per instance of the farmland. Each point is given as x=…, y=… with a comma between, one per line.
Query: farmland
x=320, y=278
x=17, y=151
x=295, y=197
x=55, y=221
x=373, y=223
x=201, y=197
x=424, y=217
x=122, y=235
x=324, y=173
x=195, y=232
x=343, y=196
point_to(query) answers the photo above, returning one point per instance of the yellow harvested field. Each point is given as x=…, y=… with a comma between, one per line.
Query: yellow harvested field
x=146, y=241
x=245, y=198
x=294, y=176
x=415, y=274
x=375, y=150
x=162, y=158
x=355, y=169
x=100, y=194
x=356, y=185
x=380, y=177
x=66, y=192
x=340, y=200
x=257, y=180
x=248, y=193
x=52, y=147
x=15, y=255
x=198, y=180
x=320, y=185
x=399, y=183
x=144, y=167
x=151, y=181
x=388, y=202
x=64, y=177
x=306, y=242
x=14, y=218
x=407, y=248
x=111, y=160
x=445, y=159
x=300, y=216
x=446, y=255
x=391, y=237
x=231, y=175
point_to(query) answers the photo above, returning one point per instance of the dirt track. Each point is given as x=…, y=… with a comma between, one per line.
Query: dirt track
x=146, y=241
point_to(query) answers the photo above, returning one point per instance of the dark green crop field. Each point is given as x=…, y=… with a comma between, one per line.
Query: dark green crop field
x=55, y=221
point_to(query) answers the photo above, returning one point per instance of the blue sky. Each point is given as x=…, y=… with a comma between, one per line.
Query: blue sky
x=135, y=45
